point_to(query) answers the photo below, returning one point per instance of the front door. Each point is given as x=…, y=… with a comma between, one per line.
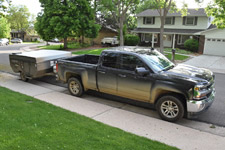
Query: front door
x=131, y=85
x=167, y=40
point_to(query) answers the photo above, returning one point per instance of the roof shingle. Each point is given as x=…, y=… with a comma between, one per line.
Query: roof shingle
x=191, y=12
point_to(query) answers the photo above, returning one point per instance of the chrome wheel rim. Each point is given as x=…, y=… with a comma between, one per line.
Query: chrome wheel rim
x=169, y=109
x=74, y=87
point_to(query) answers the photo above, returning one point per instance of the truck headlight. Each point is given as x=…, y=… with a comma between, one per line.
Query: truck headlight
x=200, y=92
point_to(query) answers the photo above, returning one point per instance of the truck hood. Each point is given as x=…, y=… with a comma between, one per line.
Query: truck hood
x=191, y=73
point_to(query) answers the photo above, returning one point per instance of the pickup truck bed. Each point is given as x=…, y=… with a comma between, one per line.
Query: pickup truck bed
x=90, y=59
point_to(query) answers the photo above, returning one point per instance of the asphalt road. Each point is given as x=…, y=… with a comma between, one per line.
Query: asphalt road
x=214, y=115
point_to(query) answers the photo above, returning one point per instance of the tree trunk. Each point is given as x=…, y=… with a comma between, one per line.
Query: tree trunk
x=121, y=32
x=82, y=39
x=161, y=34
x=65, y=43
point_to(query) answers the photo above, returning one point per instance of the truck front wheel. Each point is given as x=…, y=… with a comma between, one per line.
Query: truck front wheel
x=75, y=87
x=170, y=108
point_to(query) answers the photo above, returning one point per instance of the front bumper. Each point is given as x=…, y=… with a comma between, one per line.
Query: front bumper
x=196, y=107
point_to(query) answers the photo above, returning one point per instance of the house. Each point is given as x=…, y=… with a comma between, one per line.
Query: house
x=178, y=29
x=105, y=31
x=18, y=34
x=23, y=35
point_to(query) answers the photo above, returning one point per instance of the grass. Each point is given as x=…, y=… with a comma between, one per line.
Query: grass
x=31, y=42
x=27, y=123
x=93, y=52
x=177, y=57
x=98, y=52
x=180, y=51
x=60, y=46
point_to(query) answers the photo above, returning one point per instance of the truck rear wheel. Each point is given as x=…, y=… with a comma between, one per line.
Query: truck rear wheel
x=75, y=87
x=23, y=77
x=170, y=108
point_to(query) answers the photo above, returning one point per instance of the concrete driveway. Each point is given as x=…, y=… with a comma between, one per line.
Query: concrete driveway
x=214, y=63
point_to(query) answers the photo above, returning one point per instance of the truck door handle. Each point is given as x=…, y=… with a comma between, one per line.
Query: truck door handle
x=122, y=75
x=102, y=72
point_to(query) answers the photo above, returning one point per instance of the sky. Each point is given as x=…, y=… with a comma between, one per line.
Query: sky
x=34, y=5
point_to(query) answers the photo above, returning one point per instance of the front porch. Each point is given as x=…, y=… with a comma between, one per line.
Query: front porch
x=172, y=38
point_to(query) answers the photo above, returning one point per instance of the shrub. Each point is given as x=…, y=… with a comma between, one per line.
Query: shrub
x=191, y=45
x=131, y=40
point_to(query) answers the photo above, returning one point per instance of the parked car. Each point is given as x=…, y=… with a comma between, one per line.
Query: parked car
x=16, y=40
x=111, y=41
x=144, y=75
x=4, y=41
x=55, y=40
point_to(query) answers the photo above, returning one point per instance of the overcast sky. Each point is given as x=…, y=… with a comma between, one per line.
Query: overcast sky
x=34, y=5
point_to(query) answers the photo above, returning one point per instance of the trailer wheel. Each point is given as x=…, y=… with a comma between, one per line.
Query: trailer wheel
x=170, y=108
x=23, y=77
x=75, y=87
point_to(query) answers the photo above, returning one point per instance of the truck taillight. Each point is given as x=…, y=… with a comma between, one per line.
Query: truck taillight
x=56, y=67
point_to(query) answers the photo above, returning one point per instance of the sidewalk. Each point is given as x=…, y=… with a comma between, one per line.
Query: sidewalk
x=169, y=133
x=214, y=63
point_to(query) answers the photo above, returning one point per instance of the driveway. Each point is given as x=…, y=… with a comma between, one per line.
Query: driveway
x=214, y=63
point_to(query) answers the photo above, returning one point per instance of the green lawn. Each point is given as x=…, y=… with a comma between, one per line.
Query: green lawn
x=60, y=46
x=93, y=52
x=177, y=56
x=180, y=51
x=98, y=52
x=31, y=42
x=27, y=123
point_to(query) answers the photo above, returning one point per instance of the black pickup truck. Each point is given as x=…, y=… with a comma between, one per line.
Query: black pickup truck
x=141, y=74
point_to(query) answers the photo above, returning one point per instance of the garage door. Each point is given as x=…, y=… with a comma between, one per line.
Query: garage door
x=214, y=47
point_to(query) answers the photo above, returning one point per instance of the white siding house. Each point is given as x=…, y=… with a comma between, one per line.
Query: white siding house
x=178, y=29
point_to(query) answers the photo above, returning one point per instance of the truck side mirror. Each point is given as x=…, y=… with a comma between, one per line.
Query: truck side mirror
x=142, y=71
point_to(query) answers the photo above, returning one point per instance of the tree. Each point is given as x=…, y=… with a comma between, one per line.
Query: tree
x=4, y=28
x=18, y=17
x=65, y=18
x=217, y=10
x=3, y=7
x=163, y=7
x=43, y=29
x=145, y=4
x=119, y=10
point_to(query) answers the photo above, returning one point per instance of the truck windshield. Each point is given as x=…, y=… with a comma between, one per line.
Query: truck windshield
x=157, y=61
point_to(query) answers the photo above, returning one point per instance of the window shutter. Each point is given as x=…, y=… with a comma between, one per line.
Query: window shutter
x=173, y=20
x=196, y=20
x=153, y=20
x=144, y=20
x=184, y=20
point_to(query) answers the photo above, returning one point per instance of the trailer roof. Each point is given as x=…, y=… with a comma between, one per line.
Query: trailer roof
x=45, y=55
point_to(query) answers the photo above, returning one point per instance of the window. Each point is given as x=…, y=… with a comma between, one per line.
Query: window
x=208, y=39
x=183, y=38
x=149, y=20
x=148, y=37
x=190, y=21
x=110, y=60
x=130, y=62
x=170, y=20
x=213, y=40
x=218, y=40
x=223, y=40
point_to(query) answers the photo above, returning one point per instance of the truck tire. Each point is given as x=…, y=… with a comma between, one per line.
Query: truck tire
x=170, y=108
x=75, y=87
x=23, y=77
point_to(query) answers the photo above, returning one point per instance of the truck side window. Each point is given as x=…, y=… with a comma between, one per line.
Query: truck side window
x=130, y=62
x=110, y=60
